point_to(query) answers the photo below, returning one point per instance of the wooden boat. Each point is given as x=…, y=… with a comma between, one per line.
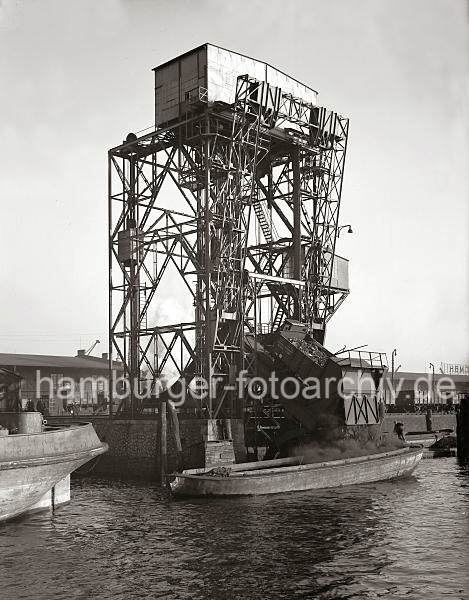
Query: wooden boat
x=294, y=475
x=35, y=467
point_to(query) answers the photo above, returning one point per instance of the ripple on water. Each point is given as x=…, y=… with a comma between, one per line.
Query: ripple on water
x=405, y=539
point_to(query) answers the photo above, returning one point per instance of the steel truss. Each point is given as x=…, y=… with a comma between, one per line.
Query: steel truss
x=261, y=184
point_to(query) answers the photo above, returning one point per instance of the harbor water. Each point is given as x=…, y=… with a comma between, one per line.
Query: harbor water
x=403, y=539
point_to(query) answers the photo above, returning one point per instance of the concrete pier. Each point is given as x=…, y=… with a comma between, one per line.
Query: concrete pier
x=134, y=446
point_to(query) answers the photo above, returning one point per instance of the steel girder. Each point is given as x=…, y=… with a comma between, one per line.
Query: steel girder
x=261, y=184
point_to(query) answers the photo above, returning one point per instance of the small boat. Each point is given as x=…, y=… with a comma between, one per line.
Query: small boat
x=36, y=462
x=294, y=474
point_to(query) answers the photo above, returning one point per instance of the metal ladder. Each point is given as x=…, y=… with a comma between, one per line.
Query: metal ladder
x=279, y=315
x=267, y=228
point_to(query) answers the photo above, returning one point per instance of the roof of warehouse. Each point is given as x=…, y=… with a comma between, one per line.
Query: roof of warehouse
x=407, y=380
x=63, y=362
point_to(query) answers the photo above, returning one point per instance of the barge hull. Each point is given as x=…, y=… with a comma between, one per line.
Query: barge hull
x=27, y=488
x=301, y=477
x=35, y=468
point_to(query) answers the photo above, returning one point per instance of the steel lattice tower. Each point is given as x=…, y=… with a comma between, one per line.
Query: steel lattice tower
x=261, y=183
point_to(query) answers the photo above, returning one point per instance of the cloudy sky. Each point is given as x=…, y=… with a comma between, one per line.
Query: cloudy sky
x=76, y=77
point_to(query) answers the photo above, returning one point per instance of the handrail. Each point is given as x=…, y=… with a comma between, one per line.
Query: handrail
x=366, y=358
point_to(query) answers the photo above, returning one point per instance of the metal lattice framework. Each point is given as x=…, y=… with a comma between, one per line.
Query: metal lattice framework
x=254, y=243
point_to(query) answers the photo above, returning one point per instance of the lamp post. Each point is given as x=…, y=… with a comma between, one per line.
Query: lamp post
x=432, y=367
x=428, y=416
x=339, y=229
x=393, y=355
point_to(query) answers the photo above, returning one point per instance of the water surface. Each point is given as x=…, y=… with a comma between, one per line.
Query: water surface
x=407, y=539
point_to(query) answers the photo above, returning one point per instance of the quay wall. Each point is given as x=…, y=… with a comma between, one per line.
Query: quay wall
x=417, y=422
x=134, y=447
x=134, y=444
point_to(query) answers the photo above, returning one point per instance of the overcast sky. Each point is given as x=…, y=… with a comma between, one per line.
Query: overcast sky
x=76, y=77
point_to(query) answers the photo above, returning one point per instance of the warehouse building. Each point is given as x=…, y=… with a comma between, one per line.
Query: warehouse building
x=61, y=385
x=418, y=391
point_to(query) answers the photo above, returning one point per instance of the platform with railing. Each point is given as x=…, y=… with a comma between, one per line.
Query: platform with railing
x=363, y=359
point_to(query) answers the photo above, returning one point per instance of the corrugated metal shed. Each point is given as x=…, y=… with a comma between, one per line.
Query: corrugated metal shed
x=215, y=70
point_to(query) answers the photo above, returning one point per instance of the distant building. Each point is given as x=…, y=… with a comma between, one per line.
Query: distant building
x=62, y=384
x=416, y=391
x=9, y=390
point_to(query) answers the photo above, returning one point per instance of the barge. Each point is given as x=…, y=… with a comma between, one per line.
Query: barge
x=294, y=475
